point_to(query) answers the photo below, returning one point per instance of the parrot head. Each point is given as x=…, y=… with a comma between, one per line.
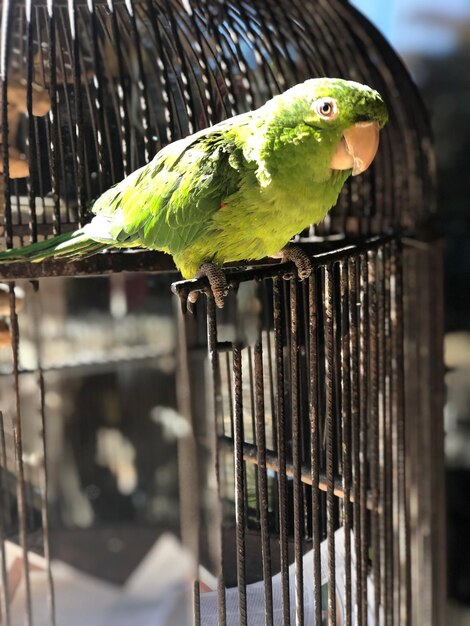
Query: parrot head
x=347, y=116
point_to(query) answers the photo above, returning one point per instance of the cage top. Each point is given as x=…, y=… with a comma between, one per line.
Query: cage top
x=95, y=88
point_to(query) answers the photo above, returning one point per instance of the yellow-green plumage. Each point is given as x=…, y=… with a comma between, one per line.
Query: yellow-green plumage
x=236, y=191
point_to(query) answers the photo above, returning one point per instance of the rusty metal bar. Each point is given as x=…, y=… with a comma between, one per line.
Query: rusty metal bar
x=346, y=439
x=4, y=59
x=266, y=268
x=54, y=144
x=304, y=361
x=44, y=483
x=18, y=438
x=260, y=419
x=230, y=397
x=250, y=455
x=253, y=433
x=391, y=599
x=240, y=511
x=381, y=426
x=355, y=419
x=4, y=506
x=363, y=428
x=402, y=532
x=329, y=430
x=93, y=266
x=296, y=456
x=218, y=421
x=33, y=162
x=196, y=604
x=314, y=475
x=281, y=445
x=154, y=261
x=374, y=427
x=188, y=458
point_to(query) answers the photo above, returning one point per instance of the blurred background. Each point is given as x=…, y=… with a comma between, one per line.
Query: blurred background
x=433, y=38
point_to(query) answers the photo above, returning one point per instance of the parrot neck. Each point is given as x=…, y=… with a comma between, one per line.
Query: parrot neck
x=281, y=151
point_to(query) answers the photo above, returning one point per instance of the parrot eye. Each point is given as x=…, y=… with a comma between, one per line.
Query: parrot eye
x=326, y=108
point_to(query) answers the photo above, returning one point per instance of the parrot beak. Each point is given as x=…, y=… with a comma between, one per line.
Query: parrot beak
x=357, y=148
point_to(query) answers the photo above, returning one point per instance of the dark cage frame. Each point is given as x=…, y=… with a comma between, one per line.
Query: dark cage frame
x=313, y=405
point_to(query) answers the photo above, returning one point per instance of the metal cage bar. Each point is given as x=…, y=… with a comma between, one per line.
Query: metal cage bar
x=105, y=85
x=339, y=388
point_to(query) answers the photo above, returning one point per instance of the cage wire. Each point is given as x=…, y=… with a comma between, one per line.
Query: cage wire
x=325, y=396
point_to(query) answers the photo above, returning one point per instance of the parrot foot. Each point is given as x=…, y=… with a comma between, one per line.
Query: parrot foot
x=217, y=281
x=299, y=258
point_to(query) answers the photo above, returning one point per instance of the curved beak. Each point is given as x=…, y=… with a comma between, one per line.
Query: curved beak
x=357, y=148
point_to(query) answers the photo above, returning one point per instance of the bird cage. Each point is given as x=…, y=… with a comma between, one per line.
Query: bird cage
x=314, y=455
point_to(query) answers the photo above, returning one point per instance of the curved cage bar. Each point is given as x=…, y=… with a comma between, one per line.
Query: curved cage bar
x=95, y=89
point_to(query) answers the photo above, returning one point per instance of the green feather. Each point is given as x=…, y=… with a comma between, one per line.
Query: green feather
x=239, y=190
x=67, y=245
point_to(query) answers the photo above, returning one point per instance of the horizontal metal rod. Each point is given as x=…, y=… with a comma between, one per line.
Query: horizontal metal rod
x=96, y=265
x=250, y=452
x=273, y=269
x=156, y=262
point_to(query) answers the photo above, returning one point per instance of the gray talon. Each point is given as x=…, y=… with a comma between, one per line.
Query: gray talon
x=217, y=281
x=191, y=301
x=296, y=255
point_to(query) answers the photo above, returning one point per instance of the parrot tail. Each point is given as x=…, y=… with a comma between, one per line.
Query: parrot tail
x=74, y=245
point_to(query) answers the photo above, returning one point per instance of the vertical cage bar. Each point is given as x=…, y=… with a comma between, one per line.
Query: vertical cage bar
x=296, y=456
x=20, y=476
x=260, y=418
x=382, y=436
x=218, y=425
x=4, y=595
x=196, y=604
x=224, y=59
x=141, y=84
x=346, y=439
x=354, y=355
x=54, y=134
x=391, y=599
x=44, y=473
x=104, y=165
x=397, y=322
x=79, y=129
x=188, y=461
x=206, y=69
x=31, y=123
x=329, y=395
x=374, y=429
x=281, y=449
x=313, y=398
x=230, y=398
x=364, y=422
x=184, y=74
x=253, y=433
x=44, y=504
x=240, y=513
x=4, y=50
x=123, y=113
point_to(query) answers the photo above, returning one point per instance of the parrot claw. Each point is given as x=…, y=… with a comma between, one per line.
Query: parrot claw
x=217, y=281
x=299, y=258
x=191, y=300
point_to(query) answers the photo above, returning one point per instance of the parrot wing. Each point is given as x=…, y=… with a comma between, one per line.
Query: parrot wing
x=167, y=204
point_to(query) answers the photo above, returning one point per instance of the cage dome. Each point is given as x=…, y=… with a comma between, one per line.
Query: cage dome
x=94, y=89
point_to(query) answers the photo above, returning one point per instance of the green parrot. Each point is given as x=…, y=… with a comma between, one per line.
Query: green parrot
x=239, y=190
